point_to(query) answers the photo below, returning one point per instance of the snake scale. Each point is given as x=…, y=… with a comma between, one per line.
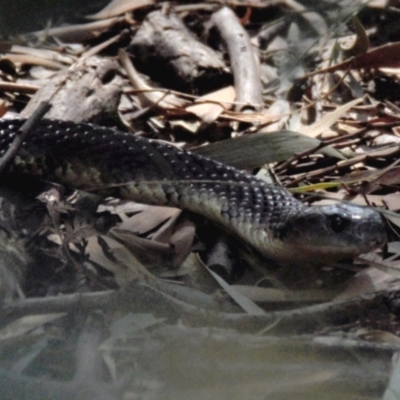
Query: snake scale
x=267, y=217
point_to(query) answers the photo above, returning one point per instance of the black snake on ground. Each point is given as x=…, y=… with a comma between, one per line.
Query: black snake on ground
x=267, y=217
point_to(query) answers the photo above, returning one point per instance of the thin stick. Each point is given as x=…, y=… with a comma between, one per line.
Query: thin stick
x=23, y=133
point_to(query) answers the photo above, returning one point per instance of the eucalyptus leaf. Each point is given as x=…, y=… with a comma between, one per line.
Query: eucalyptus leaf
x=251, y=151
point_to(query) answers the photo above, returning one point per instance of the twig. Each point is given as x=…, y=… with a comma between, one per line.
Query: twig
x=321, y=145
x=18, y=87
x=26, y=128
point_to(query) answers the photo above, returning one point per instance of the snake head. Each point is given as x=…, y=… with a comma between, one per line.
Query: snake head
x=333, y=232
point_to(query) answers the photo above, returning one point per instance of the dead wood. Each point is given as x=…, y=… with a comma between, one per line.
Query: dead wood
x=168, y=52
x=86, y=91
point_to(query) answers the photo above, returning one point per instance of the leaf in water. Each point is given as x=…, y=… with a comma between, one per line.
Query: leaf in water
x=26, y=324
x=393, y=390
x=121, y=329
x=132, y=323
x=250, y=307
x=274, y=295
x=190, y=266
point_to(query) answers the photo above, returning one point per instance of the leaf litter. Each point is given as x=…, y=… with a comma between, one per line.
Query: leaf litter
x=334, y=137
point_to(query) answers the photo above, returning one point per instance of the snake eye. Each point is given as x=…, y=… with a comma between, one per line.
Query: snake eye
x=338, y=223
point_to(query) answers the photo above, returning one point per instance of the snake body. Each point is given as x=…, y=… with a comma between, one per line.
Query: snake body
x=269, y=218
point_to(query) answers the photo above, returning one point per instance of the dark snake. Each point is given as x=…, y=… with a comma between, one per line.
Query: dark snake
x=269, y=218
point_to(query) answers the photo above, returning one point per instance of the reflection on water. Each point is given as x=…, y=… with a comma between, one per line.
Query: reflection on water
x=141, y=357
x=204, y=364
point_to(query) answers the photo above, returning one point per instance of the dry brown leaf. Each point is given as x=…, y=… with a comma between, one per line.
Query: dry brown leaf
x=147, y=218
x=168, y=227
x=125, y=266
x=394, y=72
x=373, y=179
x=3, y=108
x=388, y=151
x=170, y=235
x=367, y=281
x=388, y=138
x=329, y=119
x=384, y=56
x=78, y=33
x=360, y=44
x=43, y=53
x=26, y=59
x=361, y=176
x=386, y=266
x=391, y=201
x=179, y=234
x=380, y=337
x=150, y=253
x=210, y=106
x=118, y=7
x=164, y=232
x=390, y=177
x=182, y=240
x=253, y=118
x=280, y=110
x=380, y=4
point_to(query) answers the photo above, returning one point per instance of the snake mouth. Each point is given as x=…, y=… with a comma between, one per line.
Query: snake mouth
x=334, y=232
x=372, y=237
